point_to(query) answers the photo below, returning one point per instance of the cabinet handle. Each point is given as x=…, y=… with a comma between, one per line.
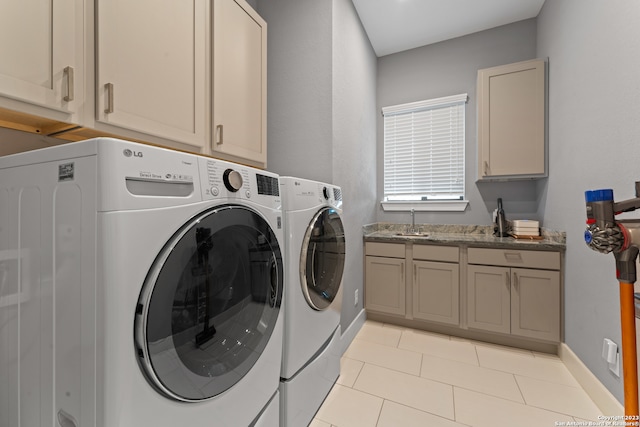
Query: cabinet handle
x=486, y=167
x=220, y=135
x=68, y=71
x=402, y=271
x=108, y=88
x=513, y=256
x=515, y=281
x=507, y=279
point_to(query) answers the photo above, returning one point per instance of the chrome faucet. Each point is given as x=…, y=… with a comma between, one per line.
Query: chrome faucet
x=413, y=222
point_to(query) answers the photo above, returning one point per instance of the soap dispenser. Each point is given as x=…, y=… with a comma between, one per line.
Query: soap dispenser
x=500, y=228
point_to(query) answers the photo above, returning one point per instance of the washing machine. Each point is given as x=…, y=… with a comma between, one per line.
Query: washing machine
x=315, y=257
x=139, y=286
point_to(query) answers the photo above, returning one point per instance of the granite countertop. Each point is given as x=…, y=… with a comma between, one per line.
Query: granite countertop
x=470, y=235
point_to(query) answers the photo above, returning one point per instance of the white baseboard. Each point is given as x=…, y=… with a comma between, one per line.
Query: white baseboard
x=600, y=395
x=351, y=331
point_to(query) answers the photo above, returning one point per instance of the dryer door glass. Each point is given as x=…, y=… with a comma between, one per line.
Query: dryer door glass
x=322, y=259
x=209, y=304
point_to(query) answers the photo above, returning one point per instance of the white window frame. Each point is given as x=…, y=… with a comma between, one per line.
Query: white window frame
x=435, y=203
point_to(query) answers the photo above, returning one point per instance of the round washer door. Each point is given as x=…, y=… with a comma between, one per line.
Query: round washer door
x=322, y=258
x=209, y=304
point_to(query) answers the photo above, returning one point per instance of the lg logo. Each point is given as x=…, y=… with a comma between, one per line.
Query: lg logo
x=129, y=153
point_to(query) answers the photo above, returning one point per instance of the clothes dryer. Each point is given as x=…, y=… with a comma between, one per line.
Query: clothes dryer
x=139, y=286
x=315, y=256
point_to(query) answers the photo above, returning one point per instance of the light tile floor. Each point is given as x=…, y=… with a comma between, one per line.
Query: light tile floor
x=393, y=376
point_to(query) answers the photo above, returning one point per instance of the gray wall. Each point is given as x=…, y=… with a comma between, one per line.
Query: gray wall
x=354, y=140
x=448, y=68
x=321, y=113
x=594, y=134
x=299, y=88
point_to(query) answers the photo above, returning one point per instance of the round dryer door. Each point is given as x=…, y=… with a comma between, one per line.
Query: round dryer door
x=322, y=259
x=209, y=304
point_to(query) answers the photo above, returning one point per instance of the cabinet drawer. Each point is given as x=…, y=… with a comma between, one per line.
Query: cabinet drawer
x=514, y=258
x=393, y=250
x=436, y=253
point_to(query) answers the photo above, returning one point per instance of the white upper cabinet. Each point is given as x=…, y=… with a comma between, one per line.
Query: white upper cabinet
x=511, y=121
x=41, y=46
x=239, y=82
x=152, y=67
x=186, y=74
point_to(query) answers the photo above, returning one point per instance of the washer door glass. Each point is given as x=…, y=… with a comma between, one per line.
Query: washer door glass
x=209, y=304
x=322, y=259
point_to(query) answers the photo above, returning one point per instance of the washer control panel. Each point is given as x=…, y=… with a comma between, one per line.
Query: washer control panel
x=221, y=179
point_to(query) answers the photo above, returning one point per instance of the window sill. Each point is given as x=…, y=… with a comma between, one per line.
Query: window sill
x=427, y=206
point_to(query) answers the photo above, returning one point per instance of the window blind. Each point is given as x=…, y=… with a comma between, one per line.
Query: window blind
x=424, y=149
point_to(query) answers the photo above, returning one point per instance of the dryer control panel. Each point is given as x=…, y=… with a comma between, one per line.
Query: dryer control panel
x=305, y=194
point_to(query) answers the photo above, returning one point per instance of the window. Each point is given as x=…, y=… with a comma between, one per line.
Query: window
x=424, y=154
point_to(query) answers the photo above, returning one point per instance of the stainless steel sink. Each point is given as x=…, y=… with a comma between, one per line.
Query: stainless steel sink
x=412, y=234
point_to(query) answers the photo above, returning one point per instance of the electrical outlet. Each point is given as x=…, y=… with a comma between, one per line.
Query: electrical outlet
x=355, y=298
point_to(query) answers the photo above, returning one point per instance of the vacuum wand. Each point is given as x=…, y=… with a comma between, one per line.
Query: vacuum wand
x=605, y=235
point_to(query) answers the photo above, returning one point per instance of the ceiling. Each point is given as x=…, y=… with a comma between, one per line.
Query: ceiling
x=397, y=25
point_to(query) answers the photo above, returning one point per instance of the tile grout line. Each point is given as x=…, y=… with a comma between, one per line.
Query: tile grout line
x=520, y=389
x=453, y=398
x=357, y=375
x=380, y=412
x=455, y=416
x=475, y=350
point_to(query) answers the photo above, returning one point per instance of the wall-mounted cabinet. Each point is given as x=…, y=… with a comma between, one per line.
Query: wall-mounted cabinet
x=511, y=121
x=151, y=67
x=186, y=74
x=42, y=66
x=239, y=82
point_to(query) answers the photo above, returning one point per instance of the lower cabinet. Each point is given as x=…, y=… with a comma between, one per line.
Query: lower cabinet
x=523, y=302
x=479, y=292
x=436, y=284
x=431, y=289
x=385, y=278
x=488, y=298
x=385, y=289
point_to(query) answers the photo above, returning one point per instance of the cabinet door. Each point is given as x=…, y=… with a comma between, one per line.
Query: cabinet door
x=385, y=285
x=436, y=291
x=511, y=120
x=152, y=67
x=41, y=50
x=239, y=81
x=535, y=303
x=488, y=298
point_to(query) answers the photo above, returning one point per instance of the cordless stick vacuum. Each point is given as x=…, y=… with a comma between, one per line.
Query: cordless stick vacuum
x=604, y=234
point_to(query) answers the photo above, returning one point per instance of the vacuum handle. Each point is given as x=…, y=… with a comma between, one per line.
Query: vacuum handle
x=626, y=264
